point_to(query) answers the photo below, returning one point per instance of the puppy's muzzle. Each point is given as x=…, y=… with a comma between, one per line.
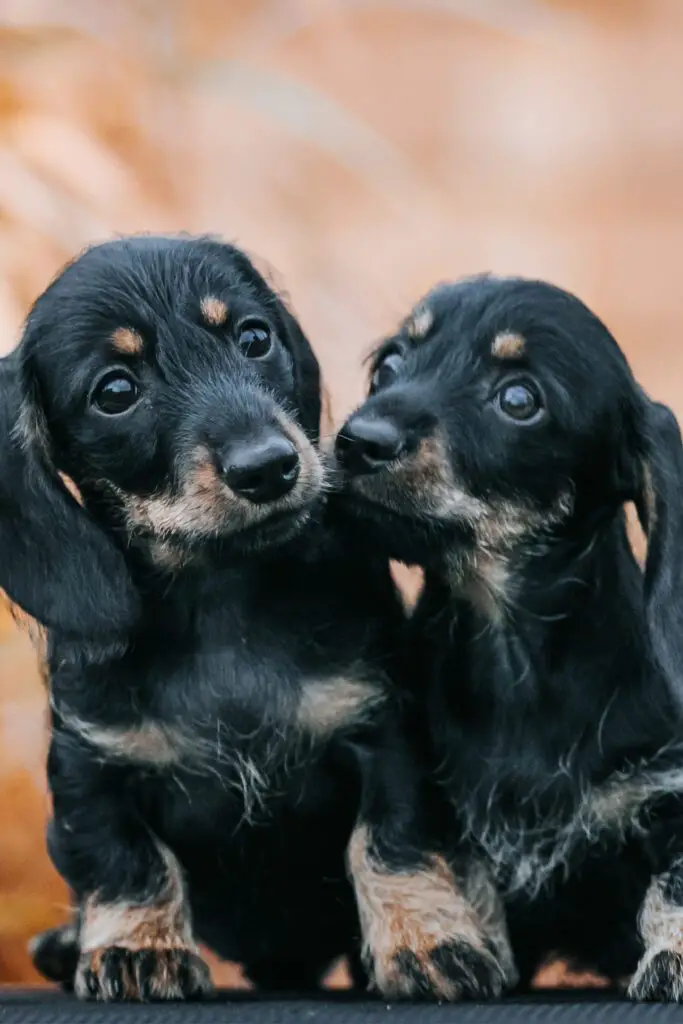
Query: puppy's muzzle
x=261, y=470
x=369, y=444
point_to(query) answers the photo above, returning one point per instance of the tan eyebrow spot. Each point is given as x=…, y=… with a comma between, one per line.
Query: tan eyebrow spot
x=127, y=341
x=420, y=323
x=508, y=345
x=214, y=311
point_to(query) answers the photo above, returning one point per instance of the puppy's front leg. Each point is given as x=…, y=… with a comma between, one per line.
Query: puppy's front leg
x=425, y=933
x=135, y=936
x=659, y=975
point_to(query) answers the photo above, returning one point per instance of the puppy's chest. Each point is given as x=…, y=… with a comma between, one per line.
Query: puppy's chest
x=222, y=718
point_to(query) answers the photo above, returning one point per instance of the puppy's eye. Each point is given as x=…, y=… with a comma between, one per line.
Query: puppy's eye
x=386, y=371
x=115, y=393
x=519, y=401
x=255, y=339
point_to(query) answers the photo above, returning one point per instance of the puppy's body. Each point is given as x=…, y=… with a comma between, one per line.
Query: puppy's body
x=556, y=767
x=223, y=728
x=225, y=764
x=502, y=438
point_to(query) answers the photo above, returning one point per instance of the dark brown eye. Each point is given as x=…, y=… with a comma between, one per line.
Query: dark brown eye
x=519, y=401
x=255, y=339
x=386, y=371
x=115, y=393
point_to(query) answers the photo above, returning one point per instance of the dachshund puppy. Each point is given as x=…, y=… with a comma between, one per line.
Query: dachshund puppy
x=222, y=672
x=503, y=434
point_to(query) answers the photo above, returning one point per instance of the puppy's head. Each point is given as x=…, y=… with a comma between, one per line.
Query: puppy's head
x=171, y=384
x=501, y=411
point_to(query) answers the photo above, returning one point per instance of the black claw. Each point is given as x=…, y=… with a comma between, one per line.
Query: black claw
x=145, y=964
x=471, y=973
x=410, y=969
x=110, y=972
x=476, y=973
x=91, y=983
x=147, y=975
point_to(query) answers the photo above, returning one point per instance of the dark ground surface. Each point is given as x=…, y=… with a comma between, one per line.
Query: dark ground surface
x=40, y=1007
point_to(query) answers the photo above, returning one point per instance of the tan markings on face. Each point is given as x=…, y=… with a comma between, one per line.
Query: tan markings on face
x=420, y=323
x=328, y=705
x=127, y=341
x=423, y=484
x=207, y=507
x=661, y=928
x=214, y=311
x=508, y=345
x=161, y=924
x=203, y=505
x=415, y=914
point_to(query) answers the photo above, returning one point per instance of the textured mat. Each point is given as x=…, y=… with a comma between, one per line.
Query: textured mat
x=39, y=1007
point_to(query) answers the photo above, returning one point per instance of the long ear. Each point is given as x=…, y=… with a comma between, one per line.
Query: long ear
x=55, y=562
x=660, y=510
x=307, y=374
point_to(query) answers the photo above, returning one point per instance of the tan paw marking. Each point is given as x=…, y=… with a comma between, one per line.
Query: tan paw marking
x=421, y=934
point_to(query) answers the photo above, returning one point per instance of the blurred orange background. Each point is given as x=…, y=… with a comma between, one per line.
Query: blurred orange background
x=365, y=150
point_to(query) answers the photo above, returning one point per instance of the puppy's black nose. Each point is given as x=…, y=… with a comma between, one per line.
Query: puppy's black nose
x=261, y=470
x=366, y=445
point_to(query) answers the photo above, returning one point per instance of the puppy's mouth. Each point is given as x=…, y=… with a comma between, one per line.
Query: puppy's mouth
x=417, y=516
x=406, y=507
x=399, y=513
x=419, y=487
x=205, y=510
x=276, y=529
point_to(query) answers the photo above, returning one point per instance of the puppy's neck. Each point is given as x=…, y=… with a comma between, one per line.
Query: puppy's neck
x=543, y=577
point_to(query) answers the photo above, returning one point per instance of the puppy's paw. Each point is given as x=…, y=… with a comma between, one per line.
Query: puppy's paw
x=55, y=954
x=116, y=974
x=426, y=935
x=452, y=971
x=658, y=978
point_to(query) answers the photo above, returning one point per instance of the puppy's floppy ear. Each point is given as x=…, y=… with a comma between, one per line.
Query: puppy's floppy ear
x=55, y=562
x=306, y=374
x=660, y=509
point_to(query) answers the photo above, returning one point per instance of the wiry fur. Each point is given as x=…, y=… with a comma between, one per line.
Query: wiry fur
x=222, y=669
x=546, y=663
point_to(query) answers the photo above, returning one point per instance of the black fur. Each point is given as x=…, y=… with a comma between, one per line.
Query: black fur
x=185, y=626
x=548, y=666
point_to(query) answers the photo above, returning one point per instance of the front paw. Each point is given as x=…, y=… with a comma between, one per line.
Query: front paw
x=449, y=972
x=658, y=979
x=116, y=974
